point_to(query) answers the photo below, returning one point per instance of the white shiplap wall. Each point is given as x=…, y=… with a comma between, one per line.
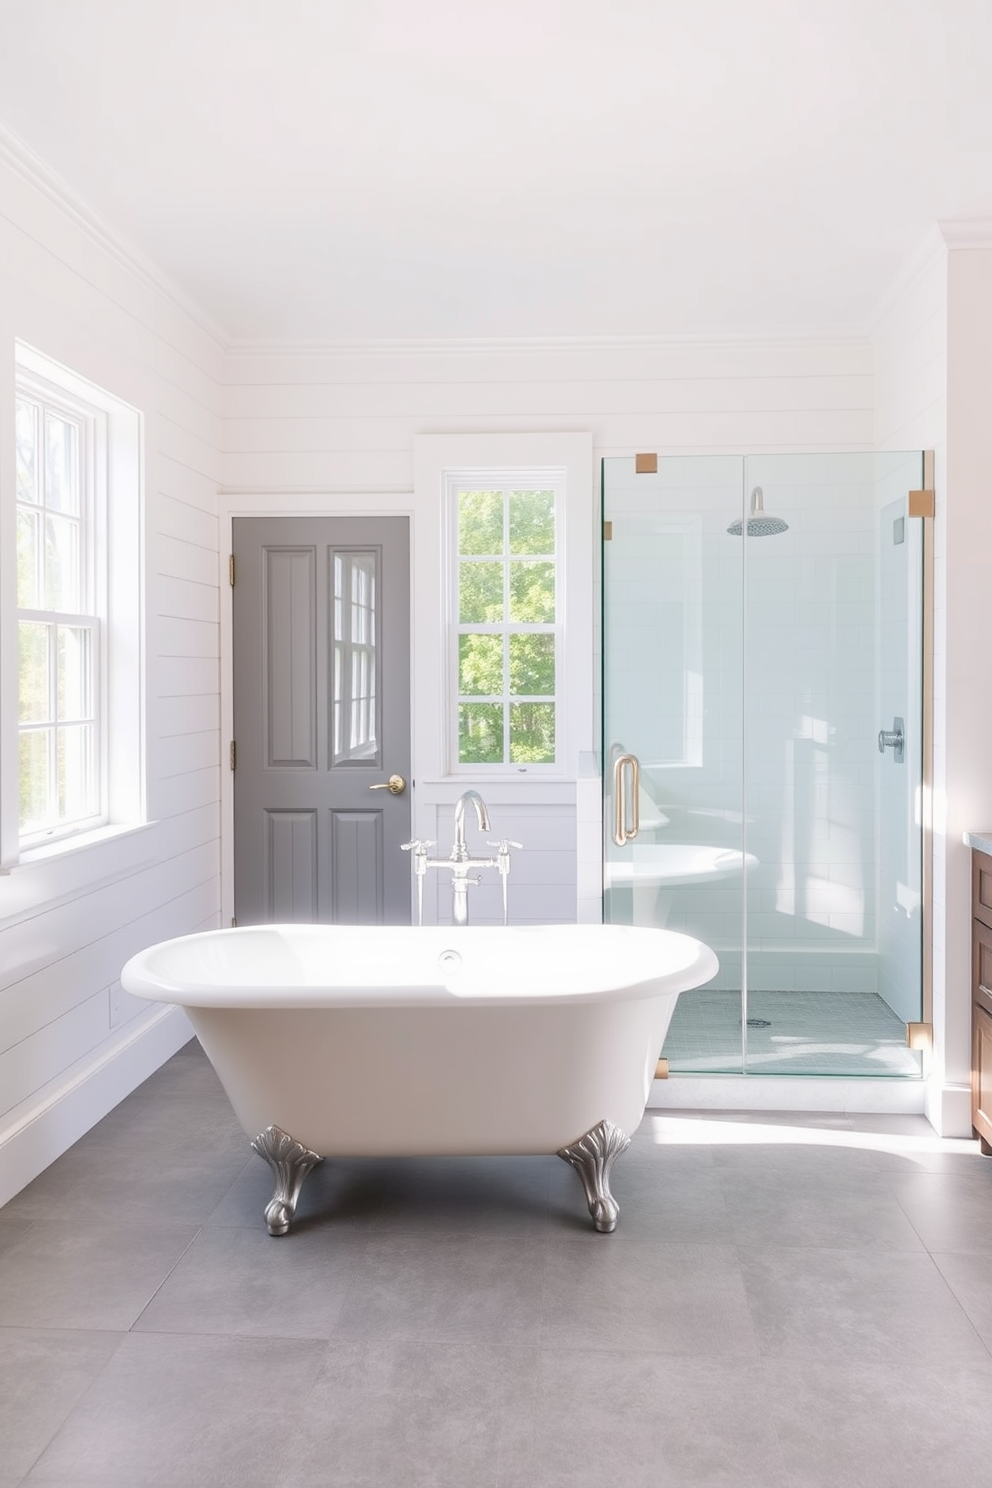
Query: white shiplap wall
x=346, y=422
x=71, y=1043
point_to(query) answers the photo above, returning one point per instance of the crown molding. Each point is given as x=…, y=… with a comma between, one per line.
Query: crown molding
x=483, y=345
x=26, y=163
x=967, y=232
x=950, y=234
x=929, y=251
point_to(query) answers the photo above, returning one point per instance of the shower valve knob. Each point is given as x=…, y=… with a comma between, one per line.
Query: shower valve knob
x=893, y=738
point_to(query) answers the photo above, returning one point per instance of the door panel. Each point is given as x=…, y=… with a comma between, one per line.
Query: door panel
x=291, y=867
x=321, y=714
x=289, y=658
x=356, y=858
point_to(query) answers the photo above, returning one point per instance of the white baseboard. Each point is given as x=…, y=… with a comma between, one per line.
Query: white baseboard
x=788, y=1093
x=948, y=1109
x=37, y=1137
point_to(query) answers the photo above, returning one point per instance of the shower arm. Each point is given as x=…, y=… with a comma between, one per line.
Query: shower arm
x=621, y=831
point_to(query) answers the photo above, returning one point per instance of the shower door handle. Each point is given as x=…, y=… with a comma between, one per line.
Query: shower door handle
x=626, y=767
x=894, y=739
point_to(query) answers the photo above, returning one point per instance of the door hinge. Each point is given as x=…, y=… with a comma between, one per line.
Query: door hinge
x=230, y=569
x=921, y=504
x=607, y=531
x=234, y=755
x=661, y=1070
x=234, y=922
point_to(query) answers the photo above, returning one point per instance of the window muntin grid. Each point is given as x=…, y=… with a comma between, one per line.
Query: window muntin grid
x=354, y=642
x=506, y=636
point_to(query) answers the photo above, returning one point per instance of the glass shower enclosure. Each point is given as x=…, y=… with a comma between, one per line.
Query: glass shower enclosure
x=762, y=733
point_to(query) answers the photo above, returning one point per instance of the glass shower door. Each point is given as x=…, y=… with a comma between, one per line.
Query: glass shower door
x=673, y=728
x=762, y=673
x=833, y=660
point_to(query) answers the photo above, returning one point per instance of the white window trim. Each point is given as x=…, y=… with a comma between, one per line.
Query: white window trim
x=119, y=557
x=437, y=458
x=92, y=456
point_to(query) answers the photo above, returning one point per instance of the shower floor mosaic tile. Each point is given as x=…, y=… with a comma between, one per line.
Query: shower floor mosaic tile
x=789, y=1033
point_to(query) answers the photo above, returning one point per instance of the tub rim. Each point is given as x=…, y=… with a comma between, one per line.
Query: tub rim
x=695, y=964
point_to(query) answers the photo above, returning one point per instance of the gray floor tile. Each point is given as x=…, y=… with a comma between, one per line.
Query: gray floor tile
x=843, y=1424
x=170, y=1412
x=97, y=1276
x=969, y=1277
x=489, y=1196
x=11, y=1231
x=790, y=1154
x=904, y=1160
x=675, y=1134
x=180, y=1110
x=837, y=1209
x=240, y=1281
x=640, y=1420
x=674, y=1298
x=481, y=1332
x=949, y=1211
x=174, y=1123
x=91, y=1182
x=43, y=1375
x=865, y=1306
x=446, y=1289
x=411, y=1415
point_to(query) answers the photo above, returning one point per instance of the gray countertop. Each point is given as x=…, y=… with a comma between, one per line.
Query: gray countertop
x=980, y=841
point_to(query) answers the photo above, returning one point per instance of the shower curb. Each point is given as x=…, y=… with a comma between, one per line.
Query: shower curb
x=788, y=1093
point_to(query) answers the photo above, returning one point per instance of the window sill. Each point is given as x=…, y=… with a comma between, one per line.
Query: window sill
x=60, y=872
x=79, y=842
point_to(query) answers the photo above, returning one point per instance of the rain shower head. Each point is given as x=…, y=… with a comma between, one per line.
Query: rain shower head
x=758, y=523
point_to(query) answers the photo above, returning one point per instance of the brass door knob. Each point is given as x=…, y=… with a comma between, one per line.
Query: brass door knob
x=395, y=785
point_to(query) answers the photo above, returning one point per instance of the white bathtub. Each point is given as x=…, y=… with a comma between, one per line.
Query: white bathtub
x=350, y=1041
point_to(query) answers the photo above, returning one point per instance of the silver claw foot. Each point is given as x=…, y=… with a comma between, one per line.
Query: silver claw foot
x=290, y=1162
x=594, y=1155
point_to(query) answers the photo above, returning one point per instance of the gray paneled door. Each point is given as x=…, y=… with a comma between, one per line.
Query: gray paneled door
x=321, y=719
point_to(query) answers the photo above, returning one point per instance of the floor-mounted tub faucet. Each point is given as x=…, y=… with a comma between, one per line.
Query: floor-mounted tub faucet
x=459, y=861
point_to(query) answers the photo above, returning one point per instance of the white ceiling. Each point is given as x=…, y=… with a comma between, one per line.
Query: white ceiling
x=342, y=170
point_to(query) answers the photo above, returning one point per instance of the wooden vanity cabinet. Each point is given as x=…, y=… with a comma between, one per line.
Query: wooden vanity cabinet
x=981, y=998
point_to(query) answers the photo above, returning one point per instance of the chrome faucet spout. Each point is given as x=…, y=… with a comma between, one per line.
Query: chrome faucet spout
x=459, y=850
x=459, y=863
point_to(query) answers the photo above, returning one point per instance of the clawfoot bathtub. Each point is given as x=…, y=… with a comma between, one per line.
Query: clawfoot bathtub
x=353, y=1041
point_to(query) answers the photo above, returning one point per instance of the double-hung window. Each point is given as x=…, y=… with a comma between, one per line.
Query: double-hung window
x=505, y=622
x=71, y=745
x=60, y=583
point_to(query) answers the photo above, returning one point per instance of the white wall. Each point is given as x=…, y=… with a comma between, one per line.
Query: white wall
x=346, y=421
x=963, y=700
x=933, y=355
x=71, y=1043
